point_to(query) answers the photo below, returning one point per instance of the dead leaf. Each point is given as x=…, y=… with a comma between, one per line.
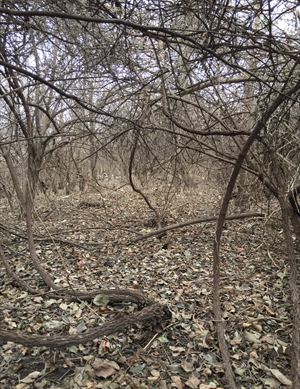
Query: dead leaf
x=271, y=382
x=40, y=384
x=68, y=363
x=81, y=328
x=254, y=354
x=193, y=382
x=252, y=338
x=177, y=380
x=237, y=339
x=206, y=372
x=229, y=307
x=22, y=386
x=187, y=366
x=90, y=385
x=284, y=380
x=104, y=347
x=72, y=331
x=113, y=364
x=78, y=313
x=31, y=377
x=269, y=310
x=103, y=369
x=268, y=339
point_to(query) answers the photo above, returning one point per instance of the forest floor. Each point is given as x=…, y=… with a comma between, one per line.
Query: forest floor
x=182, y=353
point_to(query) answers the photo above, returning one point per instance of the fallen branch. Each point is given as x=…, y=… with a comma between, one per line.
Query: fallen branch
x=115, y=295
x=153, y=314
x=65, y=241
x=196, y=221
x=48, y=239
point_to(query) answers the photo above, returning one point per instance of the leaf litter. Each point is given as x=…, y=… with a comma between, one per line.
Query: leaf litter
x=182, y=353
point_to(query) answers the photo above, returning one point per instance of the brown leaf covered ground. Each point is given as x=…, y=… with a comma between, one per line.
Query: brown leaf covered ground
x=182, y=353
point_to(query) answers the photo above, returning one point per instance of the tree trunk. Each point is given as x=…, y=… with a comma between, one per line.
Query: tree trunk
x=15, y=180
x=295, y=358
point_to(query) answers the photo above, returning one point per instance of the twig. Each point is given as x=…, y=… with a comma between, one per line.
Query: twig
x=156, y=335
x=272, y=260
